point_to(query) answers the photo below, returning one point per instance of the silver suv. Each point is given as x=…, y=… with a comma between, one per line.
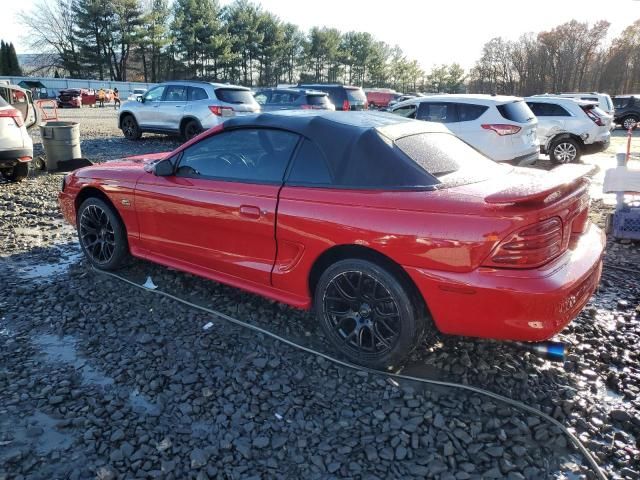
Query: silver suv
x=185, y=108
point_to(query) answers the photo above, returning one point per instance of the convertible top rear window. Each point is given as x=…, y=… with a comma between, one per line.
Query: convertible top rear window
x=447, y=158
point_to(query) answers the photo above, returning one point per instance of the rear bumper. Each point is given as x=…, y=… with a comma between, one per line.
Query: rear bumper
x=8, y=158
x=527, y=305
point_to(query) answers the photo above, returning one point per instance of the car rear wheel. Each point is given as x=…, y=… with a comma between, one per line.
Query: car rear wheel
x=191, y=129
x=130, y=128
x=367, y=314
x=19, y=172
x=630, y=122
x=564, y=150
x=102, y=235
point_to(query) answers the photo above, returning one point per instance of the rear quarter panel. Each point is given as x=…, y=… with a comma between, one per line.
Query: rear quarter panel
x=424, y=229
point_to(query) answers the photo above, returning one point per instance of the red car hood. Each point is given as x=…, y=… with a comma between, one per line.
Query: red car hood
x=115, y=169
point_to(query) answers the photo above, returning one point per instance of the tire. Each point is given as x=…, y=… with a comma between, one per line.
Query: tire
x=191, y=129
x=130, y=128
x=354, y=324
x=19, y=172
x=630, y=122
x=102, y=234
x=564, y=150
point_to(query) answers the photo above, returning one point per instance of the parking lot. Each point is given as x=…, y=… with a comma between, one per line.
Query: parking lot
x=99, y=380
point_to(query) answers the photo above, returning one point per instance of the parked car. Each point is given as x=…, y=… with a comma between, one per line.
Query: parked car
x=76, y=97
x=569, y=128
x=22, y=100
x=292, y=98
x=185, y=108
x=602, y=99
x=383, y=224
x=136, y=94
x=379, y=98
x=400, y=99
x=500, y=127
x=344, y=97
x=627, y=110
x=16, y=147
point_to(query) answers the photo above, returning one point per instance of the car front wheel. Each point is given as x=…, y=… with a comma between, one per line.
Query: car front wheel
x=102, y=235
x=367, y=313
x=130, y=128
x=564, y=150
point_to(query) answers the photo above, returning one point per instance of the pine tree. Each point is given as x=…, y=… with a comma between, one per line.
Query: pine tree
x=4, y=70
x=13, y=65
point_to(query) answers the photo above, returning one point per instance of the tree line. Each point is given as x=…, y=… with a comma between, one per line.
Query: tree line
x=9, y=64
x=574, y=56
x=155, y=40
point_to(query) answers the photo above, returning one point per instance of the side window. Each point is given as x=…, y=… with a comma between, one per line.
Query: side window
x=468, y=112
x=262, y=97
x=252, y=155
x=541, y=109
x=309, y=166
x=621, y=102
x=155, y=94
x=196, y=93
x=408, y=111
x=4, y=93
x=176, y=93
x=437, y=112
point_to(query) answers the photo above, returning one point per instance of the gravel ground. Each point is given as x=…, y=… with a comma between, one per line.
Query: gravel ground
x=99, y=381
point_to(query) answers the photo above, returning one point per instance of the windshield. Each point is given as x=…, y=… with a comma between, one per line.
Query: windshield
x=355, y=95
x=447, y=158
x=234, y=95
x=317, y=99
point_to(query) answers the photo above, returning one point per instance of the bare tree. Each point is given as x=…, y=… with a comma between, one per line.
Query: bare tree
x=50, y=27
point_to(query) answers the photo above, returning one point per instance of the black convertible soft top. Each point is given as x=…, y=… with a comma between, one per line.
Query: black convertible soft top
x=359, y=146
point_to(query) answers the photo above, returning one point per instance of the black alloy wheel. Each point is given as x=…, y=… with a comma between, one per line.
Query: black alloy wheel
x=367, y=314
x=102, y=235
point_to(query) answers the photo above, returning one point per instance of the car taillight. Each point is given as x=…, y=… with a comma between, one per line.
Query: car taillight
x=346, y=105
x=502, y=128
x=221, y=111
x=13, y=113
x=306, y=107
x=593, y=116
x=530, y=247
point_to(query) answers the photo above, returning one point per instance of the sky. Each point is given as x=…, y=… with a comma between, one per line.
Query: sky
x=432, y=32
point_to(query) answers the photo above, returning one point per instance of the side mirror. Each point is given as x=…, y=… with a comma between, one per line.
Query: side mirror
x=140, y=99
x=164, y=168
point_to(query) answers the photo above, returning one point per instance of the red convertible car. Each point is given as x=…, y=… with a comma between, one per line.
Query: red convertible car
x=386, y=227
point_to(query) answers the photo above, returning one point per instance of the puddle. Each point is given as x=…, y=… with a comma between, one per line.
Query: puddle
x=141, y=404
x=63, y=350
x=42, y=272
x=38, y=431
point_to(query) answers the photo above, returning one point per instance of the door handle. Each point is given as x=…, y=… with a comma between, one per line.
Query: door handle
x=178, y=106
x=250, y=211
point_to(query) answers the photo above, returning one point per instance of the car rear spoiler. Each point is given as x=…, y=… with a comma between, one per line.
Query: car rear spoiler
x=540, y=188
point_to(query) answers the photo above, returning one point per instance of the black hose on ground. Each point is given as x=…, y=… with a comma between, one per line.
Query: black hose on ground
x=514, y=403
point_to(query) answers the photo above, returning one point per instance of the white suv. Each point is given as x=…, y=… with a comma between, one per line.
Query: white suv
x=603, y=100
x=501, y=127
x=568, y=128
x=185, y=108
x=16, y=147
